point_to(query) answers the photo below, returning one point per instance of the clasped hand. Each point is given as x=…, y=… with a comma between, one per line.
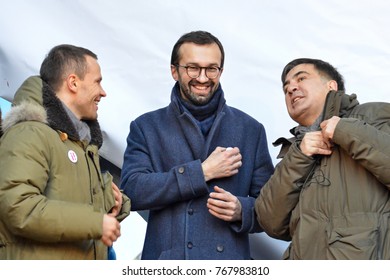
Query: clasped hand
x=223, y=162
x=320, y=142
x=111, y=226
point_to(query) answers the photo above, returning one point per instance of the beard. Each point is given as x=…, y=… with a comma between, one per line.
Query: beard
x=193, y=97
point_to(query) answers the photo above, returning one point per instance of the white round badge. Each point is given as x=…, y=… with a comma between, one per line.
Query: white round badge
x=72, y=156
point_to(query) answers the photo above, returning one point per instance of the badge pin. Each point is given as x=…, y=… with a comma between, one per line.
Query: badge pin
x=72, y=156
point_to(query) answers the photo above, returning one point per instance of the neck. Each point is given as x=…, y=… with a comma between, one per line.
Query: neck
x=66, y=99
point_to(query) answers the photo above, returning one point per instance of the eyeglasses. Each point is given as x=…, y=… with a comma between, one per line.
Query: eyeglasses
x=194, y=71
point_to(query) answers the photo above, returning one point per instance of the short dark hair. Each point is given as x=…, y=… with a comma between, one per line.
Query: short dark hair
x=199, y=38
x=323, y=67
x=63, y=60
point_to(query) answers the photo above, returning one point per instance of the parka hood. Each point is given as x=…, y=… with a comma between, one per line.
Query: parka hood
x=337, y=103
x=36, y=101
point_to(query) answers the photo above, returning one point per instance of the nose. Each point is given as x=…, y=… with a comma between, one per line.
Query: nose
x=202, y=76
x=103, y=93
x=291, y=88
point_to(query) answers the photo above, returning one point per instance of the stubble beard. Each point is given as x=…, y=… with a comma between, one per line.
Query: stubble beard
x=194, y=98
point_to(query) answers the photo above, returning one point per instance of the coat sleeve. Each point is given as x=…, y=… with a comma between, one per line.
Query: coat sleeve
x=262, y=171
x=280, y=194
x=24, y=175
x=109, y=199
x=249, y=223
x=368, y=144
x=148, y=189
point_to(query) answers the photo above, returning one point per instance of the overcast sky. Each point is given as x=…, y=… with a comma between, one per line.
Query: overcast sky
x=4, y=105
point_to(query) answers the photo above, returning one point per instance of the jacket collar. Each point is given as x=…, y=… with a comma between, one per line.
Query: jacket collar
x=337, y=103
x=36, y=101
x=59, y=120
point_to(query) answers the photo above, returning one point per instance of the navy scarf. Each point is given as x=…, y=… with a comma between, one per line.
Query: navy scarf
x=203, y=114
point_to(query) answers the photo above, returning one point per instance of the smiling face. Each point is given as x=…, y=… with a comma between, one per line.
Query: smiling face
x=305, y=92
x=197, y=90
x=89, y=92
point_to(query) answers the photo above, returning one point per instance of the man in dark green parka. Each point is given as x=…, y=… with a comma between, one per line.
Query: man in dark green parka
x=54, y=201
x=330, y=194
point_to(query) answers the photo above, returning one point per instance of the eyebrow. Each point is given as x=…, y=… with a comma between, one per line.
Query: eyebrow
x=197, y=64
x=294, y=76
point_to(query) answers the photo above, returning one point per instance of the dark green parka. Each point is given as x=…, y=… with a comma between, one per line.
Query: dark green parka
x=52, y=193
x=337, y=206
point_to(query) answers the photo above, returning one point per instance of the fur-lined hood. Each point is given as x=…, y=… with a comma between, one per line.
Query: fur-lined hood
x=36, y=101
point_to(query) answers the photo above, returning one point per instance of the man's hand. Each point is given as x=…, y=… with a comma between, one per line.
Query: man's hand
x=118, y=201
x=328, y=127
x=224, y=205
x=313, y=143
x=111, y=230
x=222, y=162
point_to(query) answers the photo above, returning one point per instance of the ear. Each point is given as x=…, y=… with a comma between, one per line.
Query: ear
x=72, y=82
x=175, y=74
x=332, y=84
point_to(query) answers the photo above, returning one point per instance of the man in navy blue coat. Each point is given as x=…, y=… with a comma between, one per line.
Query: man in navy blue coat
x=198, y=164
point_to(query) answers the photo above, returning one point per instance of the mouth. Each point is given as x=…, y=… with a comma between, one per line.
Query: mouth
x=296, y=99
x=96, y=103
x=200, y=88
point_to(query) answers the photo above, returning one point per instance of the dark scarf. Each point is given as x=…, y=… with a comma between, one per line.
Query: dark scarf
x=81, y=127
x=301, y=130
x=204, y=114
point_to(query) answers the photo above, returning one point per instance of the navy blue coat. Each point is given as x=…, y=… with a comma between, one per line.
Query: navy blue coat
x=162, y=173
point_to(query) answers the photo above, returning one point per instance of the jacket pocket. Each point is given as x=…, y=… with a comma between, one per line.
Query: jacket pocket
x=354, y=237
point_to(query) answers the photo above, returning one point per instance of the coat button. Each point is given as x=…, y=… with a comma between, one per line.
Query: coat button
x=181, y=170
x=190, y=211
x=220, y=248
x=189, y=245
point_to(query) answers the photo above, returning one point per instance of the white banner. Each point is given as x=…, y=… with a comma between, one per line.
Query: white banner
x=134, y=40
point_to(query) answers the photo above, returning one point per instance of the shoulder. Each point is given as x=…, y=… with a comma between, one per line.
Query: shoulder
x=372, y=110
x=29, y=139
x=373, y=106
x=241, y=116
x=153, y=116
x=31, y=130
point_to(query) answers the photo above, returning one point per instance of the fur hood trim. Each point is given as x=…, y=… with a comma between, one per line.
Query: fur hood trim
x=25, y=111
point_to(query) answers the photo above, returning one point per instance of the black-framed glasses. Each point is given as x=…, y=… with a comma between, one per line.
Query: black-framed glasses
x=194, y=71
